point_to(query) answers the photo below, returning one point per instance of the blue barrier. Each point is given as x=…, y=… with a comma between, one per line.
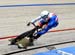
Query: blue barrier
x=63, y=51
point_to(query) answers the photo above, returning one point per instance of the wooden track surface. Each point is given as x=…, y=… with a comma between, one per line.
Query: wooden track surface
x=13, y=21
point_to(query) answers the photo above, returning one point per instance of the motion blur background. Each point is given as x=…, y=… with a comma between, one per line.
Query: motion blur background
x=13, y=19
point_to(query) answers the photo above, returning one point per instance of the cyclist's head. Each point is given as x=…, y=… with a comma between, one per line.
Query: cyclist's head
x=44, y=14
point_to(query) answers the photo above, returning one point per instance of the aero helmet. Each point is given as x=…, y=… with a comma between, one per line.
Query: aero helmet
x=44, y=14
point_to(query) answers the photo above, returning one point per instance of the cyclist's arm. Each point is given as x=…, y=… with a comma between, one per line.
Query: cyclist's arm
x=36, y=19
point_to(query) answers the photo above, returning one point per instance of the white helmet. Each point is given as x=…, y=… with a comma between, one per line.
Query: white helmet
x=44, y=14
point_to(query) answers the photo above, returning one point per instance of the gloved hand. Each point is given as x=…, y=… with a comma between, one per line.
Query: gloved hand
x=28, y=24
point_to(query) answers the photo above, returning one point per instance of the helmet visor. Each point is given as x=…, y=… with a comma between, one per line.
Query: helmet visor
x=44, y=17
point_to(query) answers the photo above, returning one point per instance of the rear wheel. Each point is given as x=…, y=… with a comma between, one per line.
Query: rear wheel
x=23, y=43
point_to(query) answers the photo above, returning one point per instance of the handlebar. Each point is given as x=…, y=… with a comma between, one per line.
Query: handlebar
x=35, y=26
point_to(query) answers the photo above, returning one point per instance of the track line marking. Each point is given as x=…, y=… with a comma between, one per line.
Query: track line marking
x=68, y=29
x=22, y=5
x=19, y=51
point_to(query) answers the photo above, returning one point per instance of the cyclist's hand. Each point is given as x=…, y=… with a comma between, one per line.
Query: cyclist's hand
x=28, y=24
